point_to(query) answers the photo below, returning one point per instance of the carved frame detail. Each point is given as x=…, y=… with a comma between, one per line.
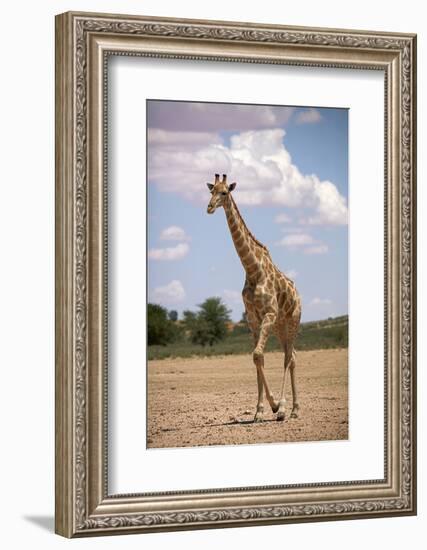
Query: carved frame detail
x=83, y=506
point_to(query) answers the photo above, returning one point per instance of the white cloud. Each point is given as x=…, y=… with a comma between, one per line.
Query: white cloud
x=257, y=160
x=320, y=302
x=170, y=294
x=309, y=116
x=296, y=239
x=168, y=254
x=304, y=241
x=282, y=218
x=331, y=208
x=317, y=249
x=174, y=233
x=196, y=117
x=233, y=296
x=291, y=273
x=181, y=139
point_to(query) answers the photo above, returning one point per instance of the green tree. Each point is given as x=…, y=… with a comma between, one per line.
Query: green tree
x=209, y=324
x=160, y=330
x=190, y=323
x=201, y=333
x=173, y=315
x=190, y=318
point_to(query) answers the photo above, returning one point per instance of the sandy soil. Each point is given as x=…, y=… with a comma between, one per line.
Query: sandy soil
x=212, y=401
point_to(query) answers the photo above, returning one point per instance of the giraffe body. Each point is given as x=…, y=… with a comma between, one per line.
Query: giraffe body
x=271, y=300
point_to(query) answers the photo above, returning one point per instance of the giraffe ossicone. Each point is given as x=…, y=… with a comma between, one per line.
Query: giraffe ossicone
x=271, y=300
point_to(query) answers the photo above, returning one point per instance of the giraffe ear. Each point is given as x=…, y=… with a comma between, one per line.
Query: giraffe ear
x=210, y=186
x=232, y=186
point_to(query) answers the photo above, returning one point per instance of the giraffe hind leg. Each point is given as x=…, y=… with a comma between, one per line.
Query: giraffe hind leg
x=287, y=365
x=295, y=405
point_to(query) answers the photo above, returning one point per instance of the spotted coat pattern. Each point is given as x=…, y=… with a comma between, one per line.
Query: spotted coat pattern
x=271, y=300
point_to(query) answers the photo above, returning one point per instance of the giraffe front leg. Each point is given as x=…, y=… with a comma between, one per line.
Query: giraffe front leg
x=259, y=415
x=258, y=356
x=254, y=328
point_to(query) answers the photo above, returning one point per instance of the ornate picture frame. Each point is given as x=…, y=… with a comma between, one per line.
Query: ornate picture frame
x=84, y=42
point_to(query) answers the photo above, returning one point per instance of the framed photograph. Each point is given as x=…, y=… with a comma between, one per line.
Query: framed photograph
x=235, y=274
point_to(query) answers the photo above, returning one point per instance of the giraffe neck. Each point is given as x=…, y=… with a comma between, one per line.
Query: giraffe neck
x=245, y=243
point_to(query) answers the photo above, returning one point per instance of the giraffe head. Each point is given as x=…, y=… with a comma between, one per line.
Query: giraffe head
x=220, y=191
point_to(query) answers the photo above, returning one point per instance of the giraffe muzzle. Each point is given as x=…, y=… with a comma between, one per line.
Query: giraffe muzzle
x=211, y=209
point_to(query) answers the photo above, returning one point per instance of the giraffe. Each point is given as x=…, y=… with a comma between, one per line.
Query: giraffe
x=271, y=300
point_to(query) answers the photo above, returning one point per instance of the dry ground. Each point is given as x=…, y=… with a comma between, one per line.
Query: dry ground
x=212, y=401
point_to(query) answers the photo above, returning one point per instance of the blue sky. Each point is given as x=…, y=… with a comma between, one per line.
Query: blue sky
x=291, y=169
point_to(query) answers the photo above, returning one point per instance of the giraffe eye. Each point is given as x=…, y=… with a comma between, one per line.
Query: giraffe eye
x=223, y=193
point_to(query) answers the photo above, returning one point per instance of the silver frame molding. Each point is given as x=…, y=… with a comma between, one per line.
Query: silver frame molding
x=83, y=43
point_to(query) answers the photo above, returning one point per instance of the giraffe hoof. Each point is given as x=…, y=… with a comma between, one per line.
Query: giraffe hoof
x=259, y=415
x=294, y=413
x=280, y=416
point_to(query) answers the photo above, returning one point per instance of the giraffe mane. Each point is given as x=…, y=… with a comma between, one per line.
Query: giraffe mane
x=246, y=227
